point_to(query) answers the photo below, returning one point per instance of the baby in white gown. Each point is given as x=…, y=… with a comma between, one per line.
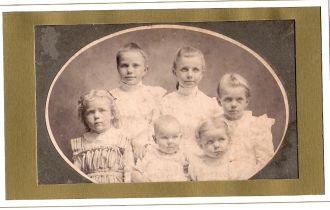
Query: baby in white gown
x=164, y=161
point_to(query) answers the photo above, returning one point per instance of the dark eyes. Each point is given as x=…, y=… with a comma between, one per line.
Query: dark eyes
x=125, y=65
x=93, y=111
x=212, y=141
x=240, y=99
x=228, y=99
x=185, y=69
x=168, y=137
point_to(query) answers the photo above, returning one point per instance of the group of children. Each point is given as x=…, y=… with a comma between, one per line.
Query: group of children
x=138, y=133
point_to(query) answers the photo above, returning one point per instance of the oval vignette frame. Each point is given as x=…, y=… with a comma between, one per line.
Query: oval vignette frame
x=172, y=27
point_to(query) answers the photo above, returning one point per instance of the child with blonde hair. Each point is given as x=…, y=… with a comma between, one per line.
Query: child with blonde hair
x=138, y=104
x=251, y=137
x=102, y=153
x=188, y=104
x=213, y=138
x=164, y=161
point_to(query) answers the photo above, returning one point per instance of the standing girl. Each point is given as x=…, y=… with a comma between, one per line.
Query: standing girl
x=188, y=104
x=137, y=103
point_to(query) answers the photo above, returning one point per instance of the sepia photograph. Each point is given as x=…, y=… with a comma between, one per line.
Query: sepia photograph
x=222, y=103
x=183, y=102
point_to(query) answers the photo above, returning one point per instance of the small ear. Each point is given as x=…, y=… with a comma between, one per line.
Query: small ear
x=146, y=69
x=154, y=138
x=218, y=100
x=198, y=140
x=174, y=71
x=200, y=145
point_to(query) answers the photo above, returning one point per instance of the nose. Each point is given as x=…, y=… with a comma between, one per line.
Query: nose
x=189, y=74
x=233, y=104
x=216, y=144
x=97, y=115
x=129, y=70
x=170, y=140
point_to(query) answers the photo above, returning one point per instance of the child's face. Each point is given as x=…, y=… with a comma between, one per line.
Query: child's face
x=189, y=71
x=233, y=101
x=168, y=138
x=98, y=115
x=131, y=67
x=215, y=142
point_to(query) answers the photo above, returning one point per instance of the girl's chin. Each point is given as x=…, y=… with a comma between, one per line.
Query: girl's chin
x=233, y=117
x=189, y=85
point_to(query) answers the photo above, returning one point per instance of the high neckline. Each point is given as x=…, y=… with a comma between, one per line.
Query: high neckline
x=130, y=88
x=188, y=91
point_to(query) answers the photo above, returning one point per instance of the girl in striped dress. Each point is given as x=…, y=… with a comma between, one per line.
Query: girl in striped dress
x=102, y=153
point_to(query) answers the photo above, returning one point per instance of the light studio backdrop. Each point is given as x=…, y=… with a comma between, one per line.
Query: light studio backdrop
x=63, y=64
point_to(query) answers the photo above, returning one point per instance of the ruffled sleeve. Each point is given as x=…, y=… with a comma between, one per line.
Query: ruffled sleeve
x=76, y=147
x=164, y=105
x=264, y=148
x=216, y=109
x=157, y=92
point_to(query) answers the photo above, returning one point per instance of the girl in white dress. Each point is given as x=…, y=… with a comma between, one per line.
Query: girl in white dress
x=102, y=153
x=213, y=138
x=188, y=104
x=164, y=161
x=251, y=137
x=138, y=104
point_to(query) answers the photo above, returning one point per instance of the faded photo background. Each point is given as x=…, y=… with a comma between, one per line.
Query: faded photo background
x=95, y=68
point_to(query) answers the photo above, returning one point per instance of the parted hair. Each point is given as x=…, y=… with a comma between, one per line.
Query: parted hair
x=188, y=51
x=132, y=46
x=233, y=80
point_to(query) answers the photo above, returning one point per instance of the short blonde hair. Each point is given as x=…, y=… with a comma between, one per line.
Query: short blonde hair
x=188, y=51
x=92, y=95
x=213, y=123
x=233, y=80
x=132, y=46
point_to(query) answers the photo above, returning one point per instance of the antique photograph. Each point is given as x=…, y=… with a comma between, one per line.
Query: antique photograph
x=201, y=105
x=174, y=102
